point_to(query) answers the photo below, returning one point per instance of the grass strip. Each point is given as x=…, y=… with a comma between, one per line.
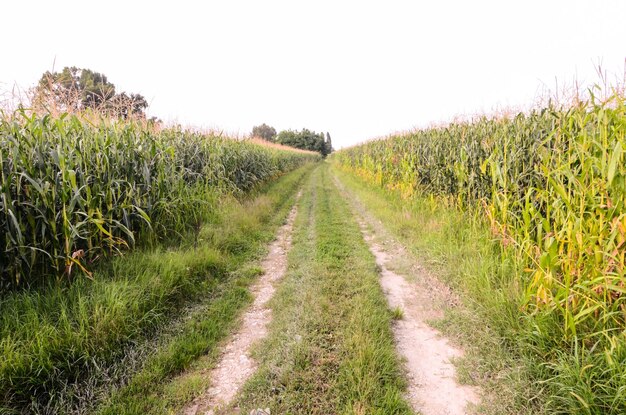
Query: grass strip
x=460, y=250
x=330, y=347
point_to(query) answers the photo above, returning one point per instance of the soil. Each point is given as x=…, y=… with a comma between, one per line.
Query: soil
x=235, y=364
x=432, y=385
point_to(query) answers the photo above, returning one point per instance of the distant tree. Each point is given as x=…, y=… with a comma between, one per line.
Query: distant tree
x=305, y=139
x=125, y=106
x=75, y=89
x=289, y=138
x=264, y=131
x=328, y=144
x=95, y=89
x=319, y=143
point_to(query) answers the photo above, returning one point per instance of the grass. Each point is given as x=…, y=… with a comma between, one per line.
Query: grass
x=330, y=346
x=65, y=346
x=397, y=313
x=461, y=252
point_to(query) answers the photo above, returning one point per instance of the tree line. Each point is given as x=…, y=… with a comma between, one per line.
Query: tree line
x=74, y=89
x=303, y=139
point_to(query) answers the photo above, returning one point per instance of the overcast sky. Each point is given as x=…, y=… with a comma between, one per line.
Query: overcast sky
x=357, y=69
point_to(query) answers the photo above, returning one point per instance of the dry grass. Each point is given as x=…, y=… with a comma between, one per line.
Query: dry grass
x=260, y=141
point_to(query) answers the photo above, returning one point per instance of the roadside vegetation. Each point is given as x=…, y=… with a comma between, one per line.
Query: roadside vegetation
x=240, y=234
x=550, y=187
x=74, y=190
x=80, y=309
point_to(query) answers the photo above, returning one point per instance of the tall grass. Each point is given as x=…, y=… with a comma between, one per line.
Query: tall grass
x=68, y=346
x=72, y=190
x=552, y=184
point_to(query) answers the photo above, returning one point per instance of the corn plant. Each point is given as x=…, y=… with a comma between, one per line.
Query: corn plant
x=72, y=191
x=552, y=183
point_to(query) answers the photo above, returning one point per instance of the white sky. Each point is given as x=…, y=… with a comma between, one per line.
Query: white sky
x=357, y=69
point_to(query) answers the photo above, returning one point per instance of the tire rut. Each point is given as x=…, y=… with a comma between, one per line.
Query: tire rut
x=432, y=386
x=235, y=365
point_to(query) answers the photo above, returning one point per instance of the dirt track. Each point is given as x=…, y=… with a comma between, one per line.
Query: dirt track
x=432, y=386
x=235, y=365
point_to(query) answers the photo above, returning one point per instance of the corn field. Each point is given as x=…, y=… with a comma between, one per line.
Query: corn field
x=72, y=191
x=552, y=184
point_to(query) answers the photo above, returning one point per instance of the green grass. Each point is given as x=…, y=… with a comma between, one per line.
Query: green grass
x=397, y=313
x=460, y=251
x=64, y=346
x=330, y=347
